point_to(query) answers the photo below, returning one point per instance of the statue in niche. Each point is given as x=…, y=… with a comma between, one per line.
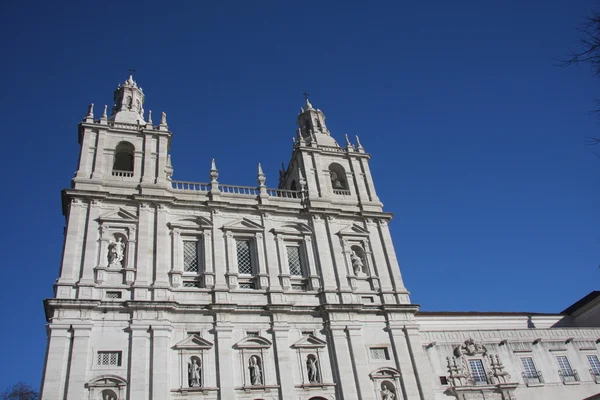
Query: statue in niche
x=357, y=263
x=116, y=253
x=386, y=394
x=255, y=372
x=335, y=181
x=313, y=369
x=194, y=373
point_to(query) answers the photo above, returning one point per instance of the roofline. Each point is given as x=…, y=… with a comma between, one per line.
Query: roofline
x=486, y=313
x=581, y=302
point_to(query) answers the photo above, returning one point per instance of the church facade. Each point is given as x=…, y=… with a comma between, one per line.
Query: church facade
x=190, y=290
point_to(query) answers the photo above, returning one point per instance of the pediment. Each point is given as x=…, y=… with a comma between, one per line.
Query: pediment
x=243, y=225
x=106, y=381
x=119, y=215
x=193, y=342
x=309, y=342
x=253, y=342
x=353, y=230
x=191, y=223
x=385, y=372
x=296, y=228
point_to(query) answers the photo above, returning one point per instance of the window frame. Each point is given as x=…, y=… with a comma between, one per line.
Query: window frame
x=477, y=377
x=100, y=353
x=386, y=353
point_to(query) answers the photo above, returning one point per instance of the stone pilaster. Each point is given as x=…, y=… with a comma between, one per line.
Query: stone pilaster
x=209, y=271
x=362, y=192
x=73, y=250
x=162, y=152
x=283, y=357
x=403, y=360
x=162, y=248
x=144, y=251
x=161, y=336
x=343, y=363
x=79, y=361
x=360, y=362
x=271, y=254
x=224, y=343
x=91, y=249
x=339, y=264
x=57, y=356
x=423, y=374
x=100, y=156
x=369, y=180
x=324, y=254
x=139, y=363
x=88, y=148
x=393, y=267
x=149, y=172
x=219, y=251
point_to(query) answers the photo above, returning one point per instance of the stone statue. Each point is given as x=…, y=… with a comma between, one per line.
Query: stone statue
x=335, y=181
x=255, y=372
x=109, y=397
x=357, y=263
x=116, y=252
x=387, y=394
x=313, y=370
x=194, y=373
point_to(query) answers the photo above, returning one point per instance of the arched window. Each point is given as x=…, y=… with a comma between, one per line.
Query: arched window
x=338, y=177
x=124, y=153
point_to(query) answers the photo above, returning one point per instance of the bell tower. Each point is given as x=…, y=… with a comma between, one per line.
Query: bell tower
x=128, y=103
x=331, y=174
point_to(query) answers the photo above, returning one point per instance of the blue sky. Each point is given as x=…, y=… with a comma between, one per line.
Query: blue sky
x=477, y=137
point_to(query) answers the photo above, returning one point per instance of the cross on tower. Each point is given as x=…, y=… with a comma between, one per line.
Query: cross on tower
x=131, y=71
x=306, y=95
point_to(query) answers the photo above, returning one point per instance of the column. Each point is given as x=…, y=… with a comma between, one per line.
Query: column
x=57, y=356
x=283, y=268
x=219, y=251
x=271, y=254
x=99, y=162
x=361, y=363
x=380, y=259
x=310, y=174
x=262, y=272
x=362, y=193
x=162, y=160
x=423, y=373
x=73, y=250
x=79, y=361
x=346, y=377
x=283, y=358
x=162, y=248
x=90, y=251
x=324, y=253
x=369, y=180
x=149, y=172
x=209, y=271
x=388, y=247
x=139, y=363
x=87, y=154
x=223, y=331
x=403, y=360
x=144, y=250
x=315, y=280
x=161, y=336
x=338, y=257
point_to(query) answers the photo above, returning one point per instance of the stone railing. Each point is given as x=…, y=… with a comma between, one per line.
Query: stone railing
x=251, y=191
x=287, y=194
x=193, y=186
x=333, y=149
x=122, y=174
x=239, y=190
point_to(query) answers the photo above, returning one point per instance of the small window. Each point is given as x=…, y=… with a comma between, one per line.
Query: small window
x=478, y=372
x=368, y=299
x=443, y=380
x=294, y=260
x=595, y=364
x=244, y=257
x=252, y=333
x=307, y=333
x=192, y=284
x=379, y=353
x=190, y=256
x=530, y=372
x=113, y=295
x=109, y=358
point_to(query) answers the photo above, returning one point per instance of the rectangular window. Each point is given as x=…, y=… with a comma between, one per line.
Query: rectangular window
x=109, y=358
x=244, y=257
x=529, y=370
x=113, y=295
x=294, y=260
x=379, y=353
x=595, y=364
x=190, y=256
x=478, y=372
x=565, y=368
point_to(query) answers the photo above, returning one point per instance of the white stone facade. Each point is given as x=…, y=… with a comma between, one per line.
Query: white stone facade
x=183, y=290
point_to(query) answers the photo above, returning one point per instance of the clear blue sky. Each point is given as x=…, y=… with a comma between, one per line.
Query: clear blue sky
x=477, y=137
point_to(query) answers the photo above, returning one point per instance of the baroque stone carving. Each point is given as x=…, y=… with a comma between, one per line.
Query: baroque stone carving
x=116, y=252
x=386, y=393
x=470, y=347
x=194, y=372
x=357, y=263
x=312, y=369
x=255, y=371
